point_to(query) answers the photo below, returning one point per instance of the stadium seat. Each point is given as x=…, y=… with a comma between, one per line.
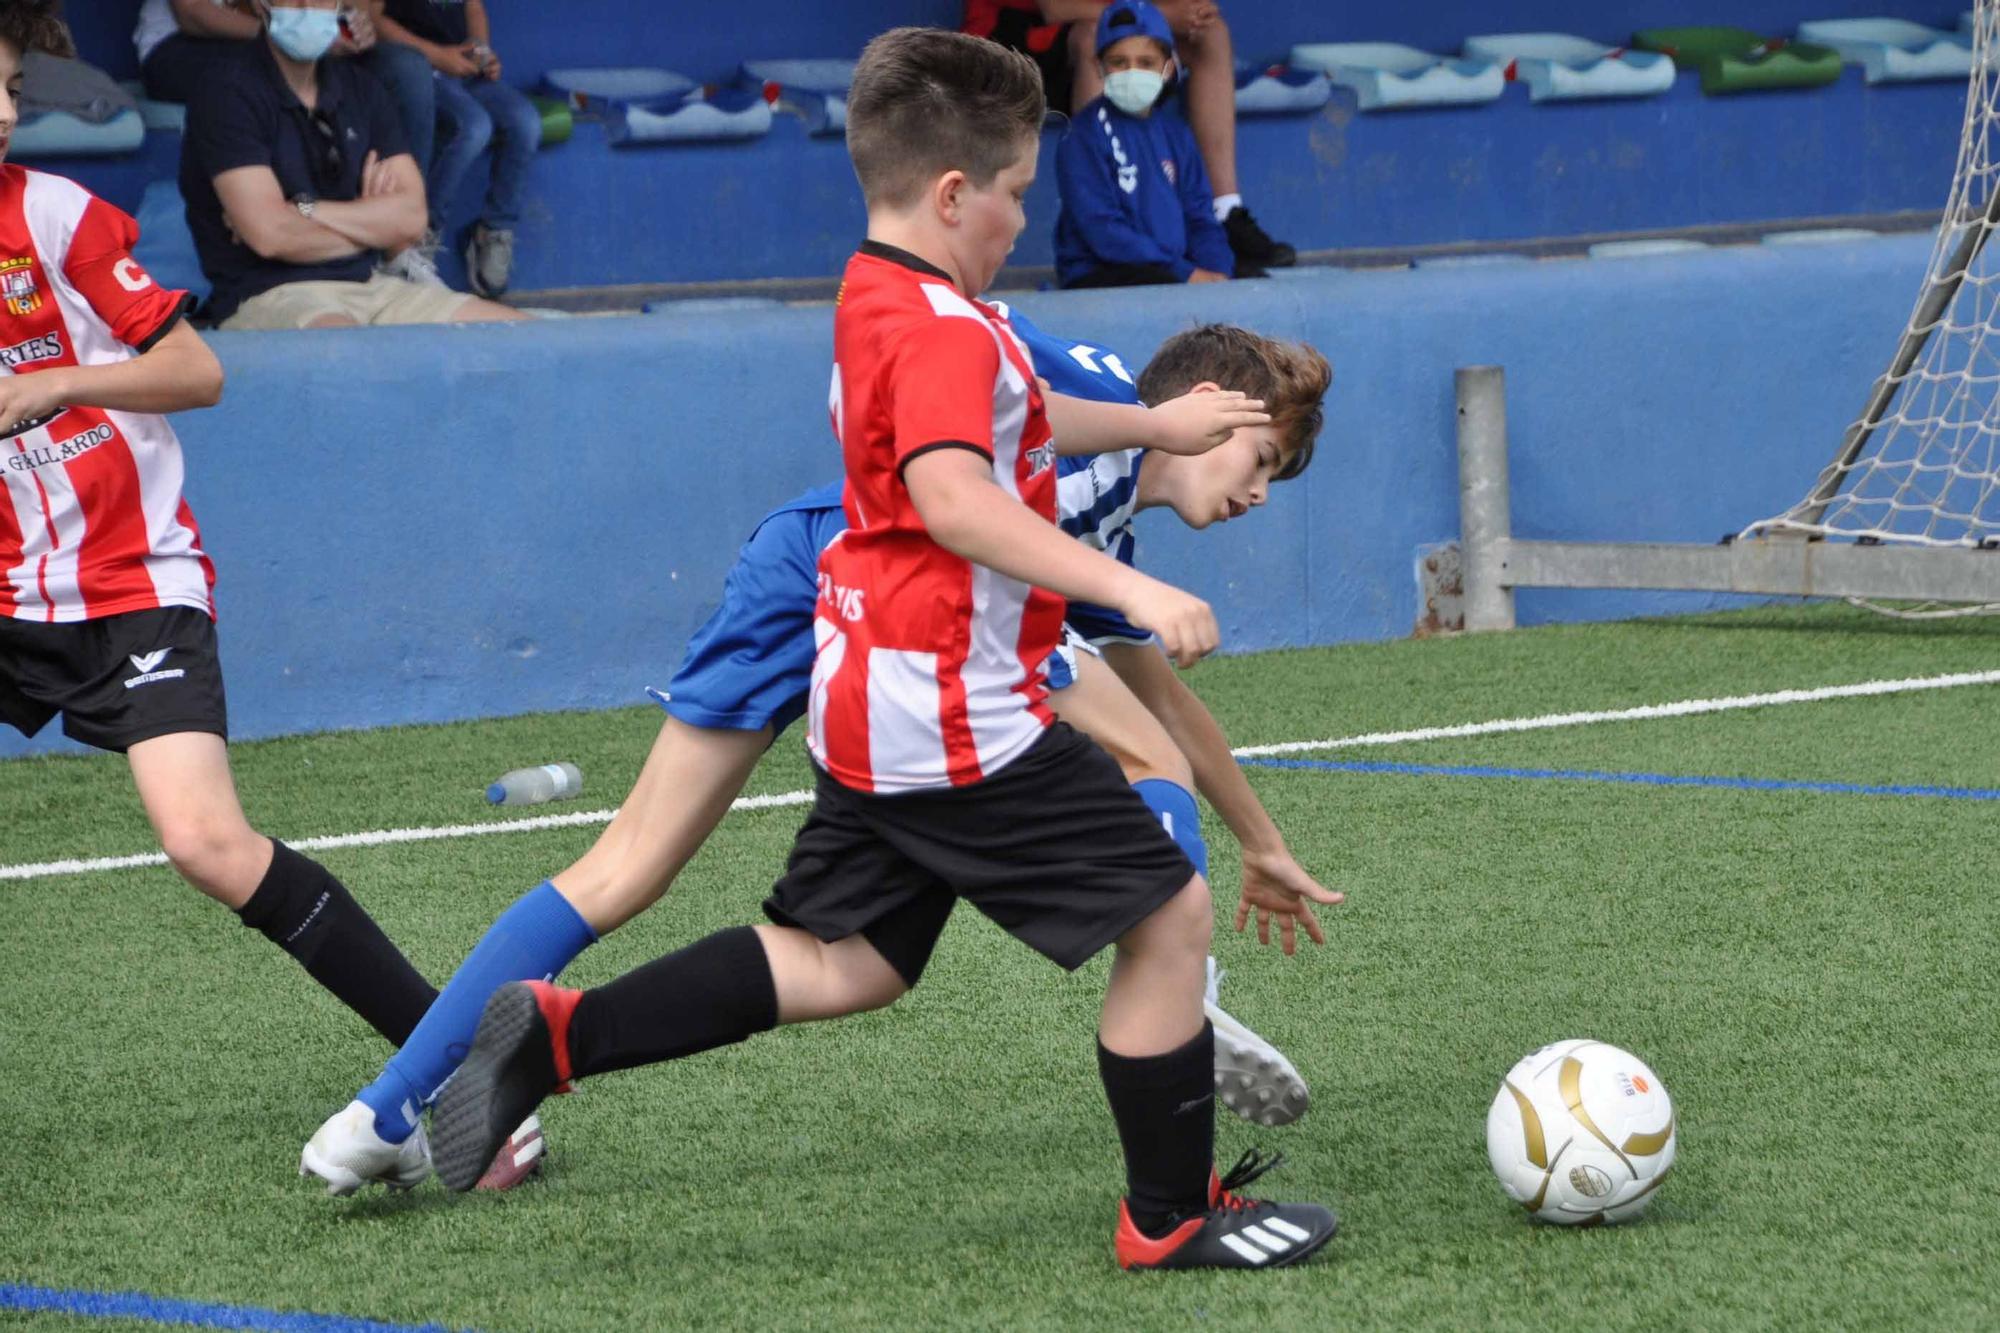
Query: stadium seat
x=1819, y=236
x=1384, y=75
x=1278, y=90
x=59, y=134
x=166, y=246
x=640, y=106
x=813, y=90
x=589, y=90
x=1736, y=60
x=157, y=115
x=1646, y=248
x=1893, y=50
x=1558, y=67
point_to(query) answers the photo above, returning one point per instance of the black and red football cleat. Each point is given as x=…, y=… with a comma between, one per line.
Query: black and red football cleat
x=519, y=1055
x=1235, y=1232
x=519, y=1160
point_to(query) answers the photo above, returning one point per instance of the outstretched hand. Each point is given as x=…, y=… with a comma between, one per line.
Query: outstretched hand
x=1275, y=885
x=1203, y=418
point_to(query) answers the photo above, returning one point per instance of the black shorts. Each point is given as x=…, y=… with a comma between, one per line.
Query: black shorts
x=1013, y=30
x=116, y=681
x=1056, y=848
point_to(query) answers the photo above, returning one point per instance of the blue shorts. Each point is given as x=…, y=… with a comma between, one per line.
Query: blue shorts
x=750, y=665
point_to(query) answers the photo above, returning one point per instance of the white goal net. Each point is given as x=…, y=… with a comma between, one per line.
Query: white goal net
x=1921, y=465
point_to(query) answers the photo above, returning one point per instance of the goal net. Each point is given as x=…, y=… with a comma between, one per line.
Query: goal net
x=1921, y=464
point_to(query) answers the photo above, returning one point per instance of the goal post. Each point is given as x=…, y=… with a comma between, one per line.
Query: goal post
x=1908, y=508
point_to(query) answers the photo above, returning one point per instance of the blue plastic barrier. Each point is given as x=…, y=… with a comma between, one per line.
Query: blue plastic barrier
x=427, y=524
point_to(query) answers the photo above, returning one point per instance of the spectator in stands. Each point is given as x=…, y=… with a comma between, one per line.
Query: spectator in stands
x=1060, y=35
x=295, y=173
x=1136, y=206
x=176, y=37
x=474, y=109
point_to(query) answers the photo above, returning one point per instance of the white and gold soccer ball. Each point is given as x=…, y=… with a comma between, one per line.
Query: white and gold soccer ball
x=1581, y=1133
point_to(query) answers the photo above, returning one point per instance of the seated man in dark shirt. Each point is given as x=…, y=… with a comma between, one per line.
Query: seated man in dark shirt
x=296, y=173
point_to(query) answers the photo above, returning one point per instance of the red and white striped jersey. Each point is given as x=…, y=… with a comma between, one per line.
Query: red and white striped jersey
x=928, y=670
x=92, y=522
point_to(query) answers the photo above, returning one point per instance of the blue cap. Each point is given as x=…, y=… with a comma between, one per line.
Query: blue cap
x=495, y=793
x=1133, y=18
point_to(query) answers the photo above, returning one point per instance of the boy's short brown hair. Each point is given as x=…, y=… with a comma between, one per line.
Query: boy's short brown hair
x=36, y=25
x=1291, y=378
x=926, y=101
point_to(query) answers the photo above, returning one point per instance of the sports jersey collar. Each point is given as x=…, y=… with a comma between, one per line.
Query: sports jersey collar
x=877, y=250
x=328, y=99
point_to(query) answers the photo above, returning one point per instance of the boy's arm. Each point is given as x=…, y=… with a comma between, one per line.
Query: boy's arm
x=1193, y=423
x=176, y=373
x=1087, y=181
x=967, y=514
x=1272, y=880
x=206, y=18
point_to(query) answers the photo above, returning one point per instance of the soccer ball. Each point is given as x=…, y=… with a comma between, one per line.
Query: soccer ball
x=1581, y=1134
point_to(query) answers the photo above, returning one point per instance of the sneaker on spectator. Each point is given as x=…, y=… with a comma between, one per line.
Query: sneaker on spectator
x=489, y=259
x=1253, y=245
x=417, y=264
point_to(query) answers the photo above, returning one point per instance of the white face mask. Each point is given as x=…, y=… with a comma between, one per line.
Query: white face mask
x=304, y=34
x=1134, y=91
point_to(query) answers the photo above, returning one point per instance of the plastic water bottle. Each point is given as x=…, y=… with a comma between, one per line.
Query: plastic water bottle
x=533, y=786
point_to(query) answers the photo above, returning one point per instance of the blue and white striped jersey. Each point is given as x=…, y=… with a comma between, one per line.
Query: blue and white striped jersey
x=1097, y=495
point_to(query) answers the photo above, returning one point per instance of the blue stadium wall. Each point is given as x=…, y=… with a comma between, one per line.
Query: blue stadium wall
x=429, y=524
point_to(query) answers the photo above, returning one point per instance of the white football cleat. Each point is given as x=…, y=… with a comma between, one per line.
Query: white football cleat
x=1252, y=1077
x=347, y=1153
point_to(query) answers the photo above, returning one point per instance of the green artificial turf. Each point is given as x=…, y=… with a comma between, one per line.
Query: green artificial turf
x=1811, y=974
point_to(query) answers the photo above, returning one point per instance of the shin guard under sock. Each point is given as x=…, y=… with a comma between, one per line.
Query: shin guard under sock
x=535, y=938
x=1165, y=1109
x=712, y=993
x=300, y=907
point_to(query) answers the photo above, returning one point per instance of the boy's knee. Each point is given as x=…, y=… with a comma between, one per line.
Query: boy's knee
x=211, y=854
x=1185, y=921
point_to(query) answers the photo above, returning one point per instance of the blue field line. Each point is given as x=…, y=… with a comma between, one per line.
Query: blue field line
x=1636, y=779
x=196, y=1314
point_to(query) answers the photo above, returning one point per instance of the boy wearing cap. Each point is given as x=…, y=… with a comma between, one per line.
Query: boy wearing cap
x=1136, y=203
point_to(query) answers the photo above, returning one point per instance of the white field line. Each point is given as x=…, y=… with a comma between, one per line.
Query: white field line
x=1545, y=722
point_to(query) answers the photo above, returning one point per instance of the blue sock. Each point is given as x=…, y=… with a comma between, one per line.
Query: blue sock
x=535, y=938
x=1175, y=806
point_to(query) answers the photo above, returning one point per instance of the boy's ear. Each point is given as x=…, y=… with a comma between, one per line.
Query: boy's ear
x=1206, y=386
x=947, y=193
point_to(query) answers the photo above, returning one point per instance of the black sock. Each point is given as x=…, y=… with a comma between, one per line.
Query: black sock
x=1165, y=1109
x=712, y=993
x=304, y=910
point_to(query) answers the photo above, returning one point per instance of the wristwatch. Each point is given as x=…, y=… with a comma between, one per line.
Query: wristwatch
x=304, y=203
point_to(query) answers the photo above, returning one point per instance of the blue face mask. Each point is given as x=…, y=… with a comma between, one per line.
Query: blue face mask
x=304, y=34
x=1134, y=91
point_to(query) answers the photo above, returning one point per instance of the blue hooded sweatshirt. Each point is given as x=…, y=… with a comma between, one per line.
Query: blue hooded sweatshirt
x=1134, y=191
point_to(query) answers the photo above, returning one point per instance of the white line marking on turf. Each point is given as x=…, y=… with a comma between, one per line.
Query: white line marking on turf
x=1548, y=721
x=1685, y=708
x=383, y=837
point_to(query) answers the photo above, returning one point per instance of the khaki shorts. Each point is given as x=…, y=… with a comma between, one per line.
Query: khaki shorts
x=380, y=300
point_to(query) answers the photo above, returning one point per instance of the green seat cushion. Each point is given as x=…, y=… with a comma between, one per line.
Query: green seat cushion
x=1735, y=60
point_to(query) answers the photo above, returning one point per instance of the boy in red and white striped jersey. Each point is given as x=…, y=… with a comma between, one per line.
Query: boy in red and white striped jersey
x=106, y=616
x=942, y=774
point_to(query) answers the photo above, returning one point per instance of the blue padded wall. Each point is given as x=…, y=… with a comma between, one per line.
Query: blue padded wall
x=426, y=524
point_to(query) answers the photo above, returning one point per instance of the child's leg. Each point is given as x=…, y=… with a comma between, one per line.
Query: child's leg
x=184, y=783
x=1156, y=1056
x=720, y=990
x=685, y=788
x=689, y=780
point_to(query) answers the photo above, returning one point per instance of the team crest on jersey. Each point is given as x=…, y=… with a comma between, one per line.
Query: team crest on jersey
x=17, y=285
